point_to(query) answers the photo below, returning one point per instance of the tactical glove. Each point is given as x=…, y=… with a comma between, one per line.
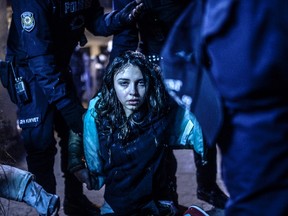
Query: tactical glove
x=84, y=177
x=72, y=113
x=130, y=12
x=75, y=152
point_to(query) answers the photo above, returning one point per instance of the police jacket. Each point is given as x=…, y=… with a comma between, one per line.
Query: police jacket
x=247, y=75
x=133, y=170
x=44, y=33
x=152, y=28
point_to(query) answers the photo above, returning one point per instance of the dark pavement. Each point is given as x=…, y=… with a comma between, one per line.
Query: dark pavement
x=185, y=180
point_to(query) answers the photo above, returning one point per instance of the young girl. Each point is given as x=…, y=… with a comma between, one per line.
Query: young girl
x=128, y=130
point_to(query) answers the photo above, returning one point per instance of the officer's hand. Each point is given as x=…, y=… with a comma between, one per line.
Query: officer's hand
x=131, y=11
x=75, y=152
x=83, y=176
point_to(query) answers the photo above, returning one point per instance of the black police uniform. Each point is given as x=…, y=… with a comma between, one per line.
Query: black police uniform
x=247, y=63
x=154, y=26
x=42, y=37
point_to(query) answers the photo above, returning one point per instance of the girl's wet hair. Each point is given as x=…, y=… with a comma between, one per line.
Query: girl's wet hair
x=110, y=110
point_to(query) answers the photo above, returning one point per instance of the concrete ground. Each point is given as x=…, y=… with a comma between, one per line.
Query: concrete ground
x=186, y=188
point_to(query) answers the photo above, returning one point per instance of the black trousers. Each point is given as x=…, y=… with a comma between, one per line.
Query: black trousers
x=206, y=174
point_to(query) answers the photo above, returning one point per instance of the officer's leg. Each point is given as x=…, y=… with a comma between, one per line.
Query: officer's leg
x=171, y=163
x=40, y=157
x=74, y=202
x=168, y=191
x=207, y=188
x=36, y=120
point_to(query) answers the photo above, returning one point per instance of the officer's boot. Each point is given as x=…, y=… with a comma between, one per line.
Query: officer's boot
x=46, y=204
x=207, y=188
x=75, y=203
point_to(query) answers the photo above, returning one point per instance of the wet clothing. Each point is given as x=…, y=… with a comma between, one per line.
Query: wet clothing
x=246, y=46
x=133, y=170
x=148, y=37
x=154, y=26
x=144, y=151
x=42, y=37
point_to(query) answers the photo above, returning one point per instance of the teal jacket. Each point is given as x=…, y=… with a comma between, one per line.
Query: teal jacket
x=185, y=133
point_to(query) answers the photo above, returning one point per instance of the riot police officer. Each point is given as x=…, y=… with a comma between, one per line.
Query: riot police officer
x=241, y=61
x=42, y=37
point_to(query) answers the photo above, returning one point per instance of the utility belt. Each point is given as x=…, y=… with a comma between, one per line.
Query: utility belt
x=14, y=83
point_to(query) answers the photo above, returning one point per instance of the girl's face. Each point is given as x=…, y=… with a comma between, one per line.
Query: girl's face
x=130, y=88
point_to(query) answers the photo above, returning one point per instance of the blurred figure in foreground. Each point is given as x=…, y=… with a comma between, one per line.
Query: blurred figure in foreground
x=238, y=50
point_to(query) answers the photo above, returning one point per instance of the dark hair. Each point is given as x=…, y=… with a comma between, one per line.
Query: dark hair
x=110, y=110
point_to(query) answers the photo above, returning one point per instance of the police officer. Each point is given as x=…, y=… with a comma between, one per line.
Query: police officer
x=244, y=58
x=154, y=25
x=42, y=37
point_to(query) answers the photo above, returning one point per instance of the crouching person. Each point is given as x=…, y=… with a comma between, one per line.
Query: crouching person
x=128, y=129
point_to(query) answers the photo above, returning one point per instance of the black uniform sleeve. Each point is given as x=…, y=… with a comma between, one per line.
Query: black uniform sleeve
x=33, y=22
x=101, y=24
x=128, y=38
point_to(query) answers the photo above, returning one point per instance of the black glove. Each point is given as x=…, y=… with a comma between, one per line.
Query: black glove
x=75, y=152
x=83, y=176
x=76, y=163
x=72, y=114
x=130, y=12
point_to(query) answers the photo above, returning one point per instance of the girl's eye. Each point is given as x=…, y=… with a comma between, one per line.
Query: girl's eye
x=141, y=83
x=123, y=83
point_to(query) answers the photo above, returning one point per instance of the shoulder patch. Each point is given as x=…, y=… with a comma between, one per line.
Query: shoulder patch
x=27, y=21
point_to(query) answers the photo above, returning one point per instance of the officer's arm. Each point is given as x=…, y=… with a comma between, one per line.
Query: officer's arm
x=125, y=40
x=101, y=24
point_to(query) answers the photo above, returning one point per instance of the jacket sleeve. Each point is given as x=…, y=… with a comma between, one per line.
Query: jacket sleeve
x=13, y=182
x=107, y=24
x=92, y=147
x=125, y=40
x=185, y=131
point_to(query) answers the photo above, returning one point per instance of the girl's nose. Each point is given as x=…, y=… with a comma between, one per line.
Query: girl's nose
x=133, y=89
